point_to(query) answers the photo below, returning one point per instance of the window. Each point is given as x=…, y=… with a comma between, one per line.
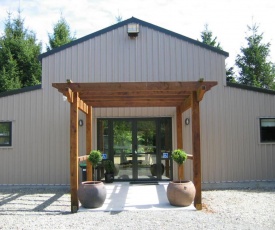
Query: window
x=5, y=133
x=267, y=129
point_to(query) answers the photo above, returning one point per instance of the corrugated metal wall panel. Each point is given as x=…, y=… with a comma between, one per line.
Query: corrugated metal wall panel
x=41, y=118
x=233, y=152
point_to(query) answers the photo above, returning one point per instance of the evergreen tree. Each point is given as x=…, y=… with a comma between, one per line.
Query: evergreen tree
x=19, y=64
x=9, y=77
x=61, y=34
x=207, y=38
x=253, y=64
x=118, y=18
x=230, y=74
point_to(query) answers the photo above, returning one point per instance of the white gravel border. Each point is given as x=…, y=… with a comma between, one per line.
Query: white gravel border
x=247, y=205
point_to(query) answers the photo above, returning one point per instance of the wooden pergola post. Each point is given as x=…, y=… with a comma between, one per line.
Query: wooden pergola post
x=74, y=151
x=196, y=149
x=179, y=139
x=89, y=144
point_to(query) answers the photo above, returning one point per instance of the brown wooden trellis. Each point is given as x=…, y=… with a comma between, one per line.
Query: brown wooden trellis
x=85, y=96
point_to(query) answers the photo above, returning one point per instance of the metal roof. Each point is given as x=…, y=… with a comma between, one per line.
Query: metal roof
x=126, y=22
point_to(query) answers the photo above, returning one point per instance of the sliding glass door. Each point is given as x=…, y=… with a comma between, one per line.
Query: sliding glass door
x=140, y=148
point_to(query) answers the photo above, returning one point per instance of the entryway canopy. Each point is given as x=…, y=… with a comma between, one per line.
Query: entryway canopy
x=85, y=96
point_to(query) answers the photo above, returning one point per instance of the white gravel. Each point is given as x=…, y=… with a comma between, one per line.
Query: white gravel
x=243, y=206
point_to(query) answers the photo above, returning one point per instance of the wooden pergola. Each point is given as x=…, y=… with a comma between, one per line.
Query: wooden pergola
x=85, y=96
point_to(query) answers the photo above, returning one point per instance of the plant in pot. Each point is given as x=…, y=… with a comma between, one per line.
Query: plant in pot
x=181, y=192
x=153, y=169
x=109, y=171
x=92, y=194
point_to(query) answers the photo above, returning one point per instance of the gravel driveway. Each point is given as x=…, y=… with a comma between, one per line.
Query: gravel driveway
x=243, y=206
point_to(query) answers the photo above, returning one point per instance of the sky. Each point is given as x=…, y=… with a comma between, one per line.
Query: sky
x=227, y=19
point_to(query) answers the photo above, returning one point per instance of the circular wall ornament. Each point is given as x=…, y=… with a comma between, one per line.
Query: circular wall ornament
x=187, y=121
x=80, y=122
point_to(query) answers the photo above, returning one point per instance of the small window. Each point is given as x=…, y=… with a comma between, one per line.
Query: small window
x=267, y=126
x=5, y=133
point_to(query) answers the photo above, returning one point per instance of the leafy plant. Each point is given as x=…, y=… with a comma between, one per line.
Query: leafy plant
x=109, y=166
x=95, y=157
x=179, y=156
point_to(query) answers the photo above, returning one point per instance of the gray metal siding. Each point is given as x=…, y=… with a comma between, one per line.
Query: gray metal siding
x=230, y=133
x=229, y=116
x=114, y=57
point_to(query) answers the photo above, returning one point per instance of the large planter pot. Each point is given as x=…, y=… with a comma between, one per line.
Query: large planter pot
x=153, y=169
x=109, y=177
x=181, y=193
x=91, y=194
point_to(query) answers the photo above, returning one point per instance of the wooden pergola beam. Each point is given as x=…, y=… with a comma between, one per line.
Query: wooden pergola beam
x=186, y=104
x=83, y=106
x=136, y=86
x=69, y=94
x=97, y=94
x=82, y=158
x=200, y=92
x=134, y=103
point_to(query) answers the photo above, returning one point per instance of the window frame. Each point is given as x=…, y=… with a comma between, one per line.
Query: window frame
x=261, y=134
x=9, y=136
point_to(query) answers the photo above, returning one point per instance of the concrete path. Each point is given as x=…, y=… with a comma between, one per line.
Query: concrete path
x=123, y=196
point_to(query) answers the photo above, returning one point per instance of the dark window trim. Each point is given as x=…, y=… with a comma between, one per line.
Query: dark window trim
x=261, y=135
x=10, y=136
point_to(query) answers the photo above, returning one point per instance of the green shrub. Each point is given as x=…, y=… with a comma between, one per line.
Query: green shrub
x=109, y=166
x=95, y=157
x=179, y=156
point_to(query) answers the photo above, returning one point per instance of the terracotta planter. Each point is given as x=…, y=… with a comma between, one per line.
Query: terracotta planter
x=91, y=194
x=181, y=194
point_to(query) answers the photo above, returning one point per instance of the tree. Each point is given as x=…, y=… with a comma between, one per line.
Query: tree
x=119, y=18
x=61, y=34
x=9, y=75
x=230, y=74
x=19, y=64
x=207, y=38
x=254, y=67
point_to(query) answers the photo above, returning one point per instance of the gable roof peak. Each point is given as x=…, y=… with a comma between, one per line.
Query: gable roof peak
x=140, y=22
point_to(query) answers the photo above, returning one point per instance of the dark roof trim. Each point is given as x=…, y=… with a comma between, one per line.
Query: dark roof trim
x=22, y=90
x=251, y=88
x=133, y=20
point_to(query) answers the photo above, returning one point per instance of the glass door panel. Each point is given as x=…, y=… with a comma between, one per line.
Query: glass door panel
x=146, y=149
x=122, y=148
x=166, y=148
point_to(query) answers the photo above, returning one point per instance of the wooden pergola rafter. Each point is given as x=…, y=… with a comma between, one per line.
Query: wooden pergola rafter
x=85, y=96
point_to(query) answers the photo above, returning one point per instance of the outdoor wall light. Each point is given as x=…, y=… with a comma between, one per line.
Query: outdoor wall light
x=80, y=122
x=187, y=121
x=133, y=30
